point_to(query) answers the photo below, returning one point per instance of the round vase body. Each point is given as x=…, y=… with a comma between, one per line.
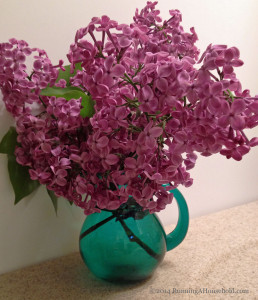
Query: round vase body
x=122, y=249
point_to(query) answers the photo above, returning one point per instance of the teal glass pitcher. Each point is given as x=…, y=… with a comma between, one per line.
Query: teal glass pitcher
x=128, y=244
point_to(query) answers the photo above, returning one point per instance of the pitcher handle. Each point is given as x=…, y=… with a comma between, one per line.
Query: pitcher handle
x=174, y=238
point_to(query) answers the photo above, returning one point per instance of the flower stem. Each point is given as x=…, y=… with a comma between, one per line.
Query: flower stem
x=133, y=238
x=96, y=226
x=245, y=137
x=42, y=102
x=213, y=76
x=128, y=79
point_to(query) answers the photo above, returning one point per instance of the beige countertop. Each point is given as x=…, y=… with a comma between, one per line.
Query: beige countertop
x=218, y=259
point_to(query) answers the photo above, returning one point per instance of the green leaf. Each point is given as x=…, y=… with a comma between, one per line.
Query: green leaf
x=59, y=92
x=72, y=93
x=20, y=179
x=9, y=142
x=66, y=75
x=88, y=107
x=54, y=199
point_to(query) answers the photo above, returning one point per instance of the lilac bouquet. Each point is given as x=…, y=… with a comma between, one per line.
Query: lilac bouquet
x=126, y=117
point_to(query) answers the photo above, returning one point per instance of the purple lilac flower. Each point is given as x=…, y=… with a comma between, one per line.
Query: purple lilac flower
x=157, y=104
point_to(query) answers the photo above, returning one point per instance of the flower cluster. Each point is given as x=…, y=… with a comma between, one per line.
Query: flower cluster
x=156, y=105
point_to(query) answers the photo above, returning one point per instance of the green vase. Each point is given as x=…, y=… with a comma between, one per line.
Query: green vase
x=128, y=244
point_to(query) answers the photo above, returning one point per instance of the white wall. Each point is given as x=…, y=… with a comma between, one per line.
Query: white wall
x=30, y=232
